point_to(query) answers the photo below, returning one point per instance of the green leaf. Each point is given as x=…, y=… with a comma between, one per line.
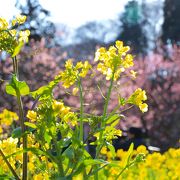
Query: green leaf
x=30, y=125
x=122, y=101
x=111, y=148
x=45, y=91
x=129, y=154
x=69, y=152
x=47, y=137
x=90, y=162
x=17, y=49
x=17, y=86
x=17, y=133
x=112, y=118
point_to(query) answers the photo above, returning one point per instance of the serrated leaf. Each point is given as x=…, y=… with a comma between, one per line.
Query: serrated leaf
x=17, y=86
x=32, y=125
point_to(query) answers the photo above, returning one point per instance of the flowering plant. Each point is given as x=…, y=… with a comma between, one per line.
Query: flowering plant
x=51, y=134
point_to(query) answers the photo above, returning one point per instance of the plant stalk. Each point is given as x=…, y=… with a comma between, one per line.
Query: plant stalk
x=9, y=165
x=81, y=135
x=22, y=120
x=103, y=123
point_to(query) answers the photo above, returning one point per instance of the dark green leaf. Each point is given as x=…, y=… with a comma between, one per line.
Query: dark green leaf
x=17, y=133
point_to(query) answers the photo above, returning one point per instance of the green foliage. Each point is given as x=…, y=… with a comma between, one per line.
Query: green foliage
x=15, y=86
x=54, y=133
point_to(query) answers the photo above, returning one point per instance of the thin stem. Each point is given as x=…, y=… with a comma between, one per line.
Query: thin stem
x=124, y=170
x=21, y=117
x=17, y=69
x=81, y=134
x=22, y=120
x=9, y=165
x=59, y=159
x=104, y=113
x=103, y=123
x=14, y=66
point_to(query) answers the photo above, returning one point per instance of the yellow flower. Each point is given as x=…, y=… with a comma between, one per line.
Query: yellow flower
x=23, y=36
x=57, y=106
x=137, y=98
x=133, y=73
x=20, y=19
x=143, y=107
x=32, y=115
x=7, y=117
x=3, y=24
x=75, y=90
x=72, y=73
x=114, y=60
x=104, y=150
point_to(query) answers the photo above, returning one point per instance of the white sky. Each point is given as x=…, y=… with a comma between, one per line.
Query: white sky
x=71, y=12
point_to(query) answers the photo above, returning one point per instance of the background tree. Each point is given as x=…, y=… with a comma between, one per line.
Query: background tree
x=132, y=32
x=171, y=25
x=36, y=21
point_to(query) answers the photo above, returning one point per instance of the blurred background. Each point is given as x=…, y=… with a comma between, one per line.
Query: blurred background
x=75, y=29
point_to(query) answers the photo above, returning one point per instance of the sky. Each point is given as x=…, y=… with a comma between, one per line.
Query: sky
x=72, y=12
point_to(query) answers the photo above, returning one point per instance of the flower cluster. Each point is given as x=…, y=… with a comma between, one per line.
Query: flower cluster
x=11, y=145
x=72, y=73
x=155, y=166
x=11, y=40
x=64, y=113
x=137, y=99
x=6, y=118
x=113, y=61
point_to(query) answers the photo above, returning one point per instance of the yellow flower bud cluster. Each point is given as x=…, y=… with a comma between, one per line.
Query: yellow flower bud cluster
x=137, y=99
x=12, y=40
x=6, y=118
x=109, y=133
x=114, y=60
x=32, y=115
x=71, y=73
x=64, y=113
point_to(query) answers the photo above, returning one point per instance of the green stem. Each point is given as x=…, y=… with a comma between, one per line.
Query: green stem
x=59, y=159
x=22, y=120
x=81, y=134
x=21, y=117
x=127, y=166
x=103, y=123
x=9, y=165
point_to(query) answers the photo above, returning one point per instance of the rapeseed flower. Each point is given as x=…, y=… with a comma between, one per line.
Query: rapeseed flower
x=137, y=98
x=32, y=115
x=72, y=73
x=113, y=61
x=7, y=117
x=11, y=40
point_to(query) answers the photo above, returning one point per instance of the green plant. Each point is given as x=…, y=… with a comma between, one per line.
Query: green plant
x=56, y=142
